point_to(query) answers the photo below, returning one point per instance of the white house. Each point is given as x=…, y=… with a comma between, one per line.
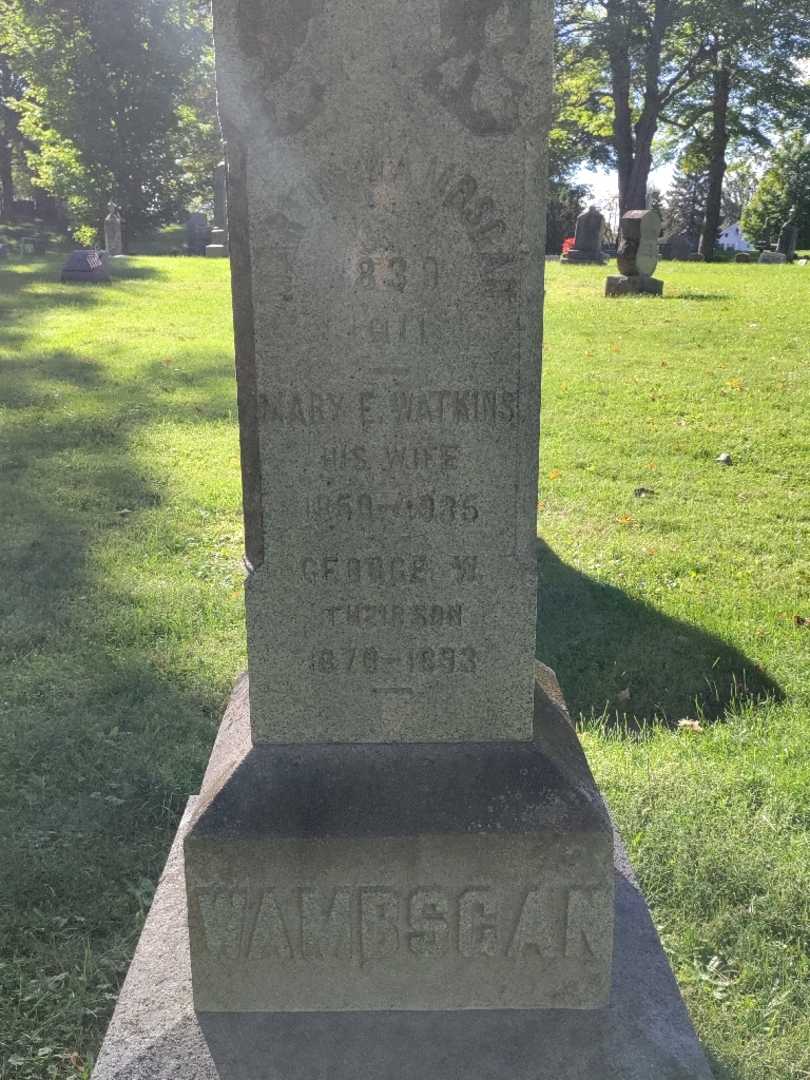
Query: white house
x=731, y=236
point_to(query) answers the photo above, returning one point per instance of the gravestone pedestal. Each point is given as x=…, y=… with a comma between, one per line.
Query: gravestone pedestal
x=630, y=285
x=345, y=878
x=642, y=1032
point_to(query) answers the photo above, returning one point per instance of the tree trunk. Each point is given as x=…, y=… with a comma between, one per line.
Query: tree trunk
x=6, y=182
x=6, y=177
x=717, y=166
x=633, y=143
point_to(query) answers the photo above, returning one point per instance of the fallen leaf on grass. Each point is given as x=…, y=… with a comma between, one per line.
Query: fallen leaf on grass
x=689, y=725
x=555, y=474
x=626, y=519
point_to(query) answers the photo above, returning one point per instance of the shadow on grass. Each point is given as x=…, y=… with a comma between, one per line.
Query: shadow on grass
x=698, y=297
x=100, y=740
x=618, y=656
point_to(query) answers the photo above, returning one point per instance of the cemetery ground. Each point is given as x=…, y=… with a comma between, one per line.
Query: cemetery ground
x=675, y=608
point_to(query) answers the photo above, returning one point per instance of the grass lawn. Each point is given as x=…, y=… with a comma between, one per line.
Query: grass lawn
x=121, y=620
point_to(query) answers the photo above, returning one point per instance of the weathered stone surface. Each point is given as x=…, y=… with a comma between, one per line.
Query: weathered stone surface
x=400, y=876
x=216, y=251
x=84, y=265
x=743, y=257
x=588, y=233
x=638, y=248
x=644, y=1033
x=619, y=285
x=774, y=257
x=386, y=224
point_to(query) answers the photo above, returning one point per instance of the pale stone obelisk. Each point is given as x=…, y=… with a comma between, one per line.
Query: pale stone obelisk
x=386, y=217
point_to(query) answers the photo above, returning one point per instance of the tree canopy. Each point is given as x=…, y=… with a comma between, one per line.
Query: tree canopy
x=118, y=103
x=783, y=190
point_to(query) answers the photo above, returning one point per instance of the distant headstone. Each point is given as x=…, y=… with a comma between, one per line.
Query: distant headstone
x=4, y=251
x=588, y=234
x=637, y=256
x=743, y=257
x=113, y=231
x=678, y=246
x=217, y=246
x=772, y=257
x=198, y=233
x=40, y=243
x=27, y=246
x=788, y=238
x=86, y=265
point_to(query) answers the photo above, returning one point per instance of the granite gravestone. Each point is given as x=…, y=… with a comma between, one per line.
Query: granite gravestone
x=198, y=233
x=774, y=257
x=388, y=369
x=113, y=231
x=399, y=865
x=590, y=228
x=218, y=244
x=788, y=238
x=637, y=255
x=86, y=265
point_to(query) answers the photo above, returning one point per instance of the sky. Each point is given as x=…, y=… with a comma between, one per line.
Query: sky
x=604, y=184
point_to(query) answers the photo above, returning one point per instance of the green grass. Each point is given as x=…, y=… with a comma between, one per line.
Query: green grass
x=122, y=626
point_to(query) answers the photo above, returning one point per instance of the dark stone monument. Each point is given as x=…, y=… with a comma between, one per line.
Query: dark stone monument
x=588, y=234
x=198, y=233
x=86, y=265
x=637, y=256
x=399, y=866
x=743, y=257
x=788, y=238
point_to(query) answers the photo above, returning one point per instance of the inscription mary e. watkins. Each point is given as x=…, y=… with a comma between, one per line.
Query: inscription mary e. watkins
x=406, y=448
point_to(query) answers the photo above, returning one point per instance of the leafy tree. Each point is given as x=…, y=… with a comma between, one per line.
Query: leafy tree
x=111, y=108
x=739, y=185
x=642, y=56
x=784, y=186
x=752, y=86
x=724, y=68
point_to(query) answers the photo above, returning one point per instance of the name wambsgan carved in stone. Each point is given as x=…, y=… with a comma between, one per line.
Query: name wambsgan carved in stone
x=369, y=922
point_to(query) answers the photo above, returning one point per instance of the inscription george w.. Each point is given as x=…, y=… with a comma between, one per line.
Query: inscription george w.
x=369, y=922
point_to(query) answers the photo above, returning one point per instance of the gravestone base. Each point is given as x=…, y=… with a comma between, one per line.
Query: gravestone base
x=366, y=876
x=775, y=258
x=621, y=285
x=642, y=1033
x=583, y=258
x=216, y=251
